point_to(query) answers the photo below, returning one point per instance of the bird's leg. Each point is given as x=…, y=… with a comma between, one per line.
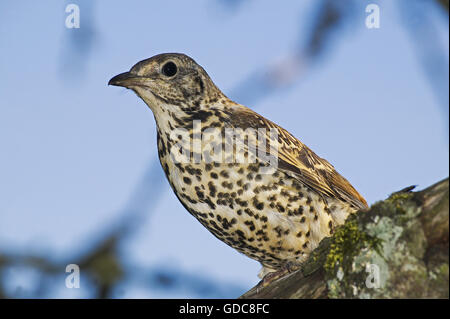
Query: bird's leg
x=287, y=268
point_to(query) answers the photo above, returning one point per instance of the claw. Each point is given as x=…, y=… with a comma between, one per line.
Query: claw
x=288, y=268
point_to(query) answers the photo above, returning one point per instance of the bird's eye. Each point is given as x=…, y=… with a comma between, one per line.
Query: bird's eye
x=169, y=69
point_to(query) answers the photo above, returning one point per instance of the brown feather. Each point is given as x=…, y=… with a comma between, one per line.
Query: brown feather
x=298, y=160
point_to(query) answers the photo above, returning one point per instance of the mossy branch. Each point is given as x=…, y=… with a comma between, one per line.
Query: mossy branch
x=397, y=249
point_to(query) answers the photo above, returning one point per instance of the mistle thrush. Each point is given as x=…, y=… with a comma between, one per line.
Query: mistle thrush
x=274, y=212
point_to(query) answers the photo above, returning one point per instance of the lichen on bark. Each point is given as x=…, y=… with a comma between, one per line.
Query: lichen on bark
x=396, y=249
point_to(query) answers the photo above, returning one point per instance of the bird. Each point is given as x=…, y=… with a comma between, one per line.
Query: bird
x=249, y=181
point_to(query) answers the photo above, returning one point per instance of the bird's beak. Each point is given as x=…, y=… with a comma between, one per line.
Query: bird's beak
x=126, y=79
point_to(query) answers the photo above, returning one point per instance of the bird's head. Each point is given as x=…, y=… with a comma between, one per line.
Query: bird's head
x=170, y=81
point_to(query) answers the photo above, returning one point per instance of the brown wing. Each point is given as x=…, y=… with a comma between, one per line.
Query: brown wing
x=298, y=160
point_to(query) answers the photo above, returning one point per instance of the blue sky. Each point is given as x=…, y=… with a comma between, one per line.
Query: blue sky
x=73, y=150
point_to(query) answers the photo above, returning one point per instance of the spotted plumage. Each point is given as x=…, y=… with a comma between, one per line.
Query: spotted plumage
x=276, y=214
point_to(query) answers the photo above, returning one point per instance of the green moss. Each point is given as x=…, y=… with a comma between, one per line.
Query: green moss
x=400, y=197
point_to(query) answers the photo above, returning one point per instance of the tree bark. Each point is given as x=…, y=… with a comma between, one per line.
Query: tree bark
x=397, y=249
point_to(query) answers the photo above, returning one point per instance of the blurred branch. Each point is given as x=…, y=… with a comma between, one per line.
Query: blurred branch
x=104, y=269
x=327, y=22
x=444, y=4
x=432, y=56
x=329, y=18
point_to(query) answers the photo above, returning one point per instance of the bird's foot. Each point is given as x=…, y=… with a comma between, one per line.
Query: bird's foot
x=287, y=268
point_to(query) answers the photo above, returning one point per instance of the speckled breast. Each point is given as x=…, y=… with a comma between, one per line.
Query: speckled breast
x=272, y=218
